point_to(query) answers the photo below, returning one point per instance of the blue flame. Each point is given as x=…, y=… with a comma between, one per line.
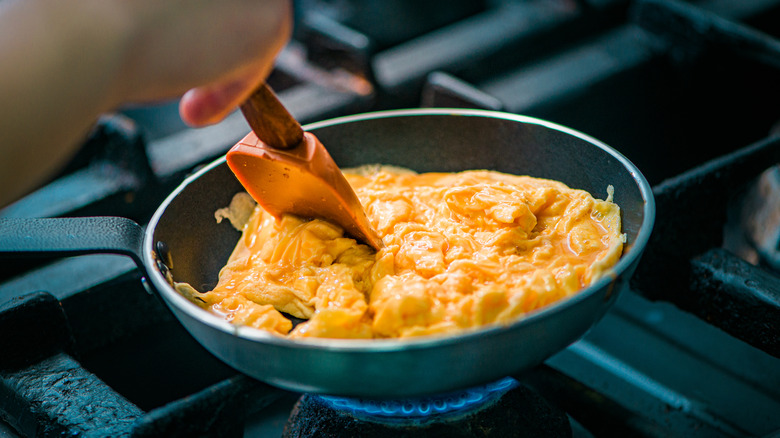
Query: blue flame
x=422, y=408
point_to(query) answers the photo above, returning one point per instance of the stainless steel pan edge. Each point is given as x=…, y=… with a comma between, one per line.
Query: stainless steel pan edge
x=395, y=368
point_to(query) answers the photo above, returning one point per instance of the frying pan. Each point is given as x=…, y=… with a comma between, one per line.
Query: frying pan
x=183, y=242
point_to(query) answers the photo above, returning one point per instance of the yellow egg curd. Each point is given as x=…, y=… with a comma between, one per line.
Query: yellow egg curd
x=462, y=250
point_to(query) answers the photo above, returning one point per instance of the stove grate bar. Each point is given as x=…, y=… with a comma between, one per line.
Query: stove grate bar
x=691, y=210
x=219, y=410
x=57, y=396
x=730, y=291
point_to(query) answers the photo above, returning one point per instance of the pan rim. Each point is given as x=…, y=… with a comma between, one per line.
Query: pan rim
x=172, y=297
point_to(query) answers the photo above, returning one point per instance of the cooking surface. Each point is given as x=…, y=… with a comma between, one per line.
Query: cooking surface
x=688, y=91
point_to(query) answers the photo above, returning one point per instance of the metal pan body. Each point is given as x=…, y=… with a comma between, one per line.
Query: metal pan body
x=443, y=140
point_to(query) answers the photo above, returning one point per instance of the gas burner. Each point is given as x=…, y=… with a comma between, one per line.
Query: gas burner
x=504, y=408
x=423, y=409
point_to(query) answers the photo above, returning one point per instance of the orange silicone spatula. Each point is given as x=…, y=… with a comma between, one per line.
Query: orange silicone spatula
x=287, y=170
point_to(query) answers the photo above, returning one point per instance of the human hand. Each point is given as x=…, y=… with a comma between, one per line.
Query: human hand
x=65, y=63
x=219, y=51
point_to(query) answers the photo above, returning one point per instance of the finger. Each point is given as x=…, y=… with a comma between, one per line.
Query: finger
x=210, y=104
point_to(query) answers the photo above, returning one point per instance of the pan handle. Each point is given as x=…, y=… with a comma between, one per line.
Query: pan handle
x=39, y=237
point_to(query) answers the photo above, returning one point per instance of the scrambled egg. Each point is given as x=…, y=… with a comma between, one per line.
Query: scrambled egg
x=462, y=250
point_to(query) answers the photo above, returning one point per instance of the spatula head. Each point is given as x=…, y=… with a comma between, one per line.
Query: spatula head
x=303, y=181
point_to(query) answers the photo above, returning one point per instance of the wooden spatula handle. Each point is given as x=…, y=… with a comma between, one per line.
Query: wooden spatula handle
x=270, y=120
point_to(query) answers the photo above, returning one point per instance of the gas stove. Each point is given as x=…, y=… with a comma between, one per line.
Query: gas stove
x=687, y=91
